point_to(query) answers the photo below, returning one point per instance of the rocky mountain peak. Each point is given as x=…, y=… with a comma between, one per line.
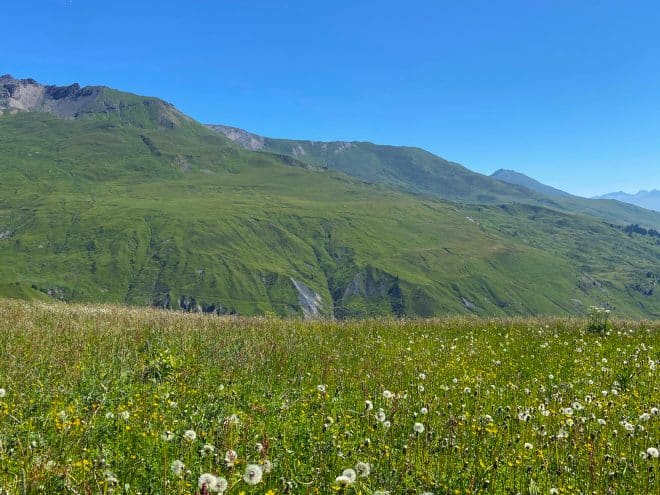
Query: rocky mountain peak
x=28, y=95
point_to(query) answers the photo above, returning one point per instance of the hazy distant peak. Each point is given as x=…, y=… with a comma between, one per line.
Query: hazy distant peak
x=646, y=199
x=513, y=177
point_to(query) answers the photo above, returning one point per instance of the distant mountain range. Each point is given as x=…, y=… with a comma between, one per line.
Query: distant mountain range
x=646, y=199
x=107, y=196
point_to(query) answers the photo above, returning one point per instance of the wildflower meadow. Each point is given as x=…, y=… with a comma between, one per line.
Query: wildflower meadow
x=103, y=399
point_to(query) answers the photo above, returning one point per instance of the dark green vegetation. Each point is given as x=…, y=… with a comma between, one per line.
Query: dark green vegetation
x=133, y=203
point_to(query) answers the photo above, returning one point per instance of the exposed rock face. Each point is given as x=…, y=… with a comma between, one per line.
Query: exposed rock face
x=30, y=96
x=310, y=302
x=246, y=139
x=72, y=102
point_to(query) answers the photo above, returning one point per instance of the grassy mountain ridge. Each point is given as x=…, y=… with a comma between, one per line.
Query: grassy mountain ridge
x=513, y=177
x=418, y=171
x=96, y=208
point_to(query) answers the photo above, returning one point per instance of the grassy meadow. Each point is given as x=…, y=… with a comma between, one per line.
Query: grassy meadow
x=105, y=399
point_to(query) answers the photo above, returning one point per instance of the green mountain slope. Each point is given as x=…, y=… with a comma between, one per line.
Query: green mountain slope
x=105, y=208
x=420, y=172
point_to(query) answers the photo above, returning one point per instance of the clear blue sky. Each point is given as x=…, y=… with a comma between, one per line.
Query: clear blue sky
x=565, y=91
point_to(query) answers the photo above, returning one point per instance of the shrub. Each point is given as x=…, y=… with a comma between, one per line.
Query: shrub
x=598, y=319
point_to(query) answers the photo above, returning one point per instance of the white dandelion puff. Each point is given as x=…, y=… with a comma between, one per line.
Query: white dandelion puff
x=221, y=485
x=177, y=467
x=350, y=474
x=253, y=474
x=207, y=481
x=362, y=469
x=343, y=480
x=190, y=435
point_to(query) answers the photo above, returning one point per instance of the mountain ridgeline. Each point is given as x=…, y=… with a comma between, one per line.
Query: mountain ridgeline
x=420, y=172
x=113, y=197
x=644, y=199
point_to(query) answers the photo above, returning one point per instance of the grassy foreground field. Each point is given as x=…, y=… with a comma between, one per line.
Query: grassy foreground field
x=102, y=399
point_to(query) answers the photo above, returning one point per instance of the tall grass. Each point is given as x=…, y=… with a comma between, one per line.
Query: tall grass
x=98, y=399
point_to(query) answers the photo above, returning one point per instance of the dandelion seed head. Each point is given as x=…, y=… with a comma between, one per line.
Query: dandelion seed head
x=362, y=469
x=207, y=481
x=253, y=474
x=177, y=467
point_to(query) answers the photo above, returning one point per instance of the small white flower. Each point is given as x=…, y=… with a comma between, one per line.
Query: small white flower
x=230, y=457
x=177, y=467
x=528, y=446
x=368, y=405
x=653, y=452
x=3, y=393
x=380, y=415
x=109, y=415
x=387, y=394
x=110, y=477
x=424, y=411
x=190, y=435
x=167, y=436
x=253, y=474
x=387, y=424
x=418, y=428
x=321, y=388
x=232, y=420
x=422, y=376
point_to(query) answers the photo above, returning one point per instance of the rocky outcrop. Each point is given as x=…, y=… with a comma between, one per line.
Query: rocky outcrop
x=246, y=139
x=311, y=303
x=30, y=96
x=74, y=101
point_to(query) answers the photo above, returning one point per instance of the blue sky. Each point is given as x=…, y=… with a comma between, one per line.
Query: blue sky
x=565, y=91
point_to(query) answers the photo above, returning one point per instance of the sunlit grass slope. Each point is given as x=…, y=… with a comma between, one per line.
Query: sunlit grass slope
x=107, y=210
x=101, y=399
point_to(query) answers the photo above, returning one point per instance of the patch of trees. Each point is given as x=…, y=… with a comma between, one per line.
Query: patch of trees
x=636, y=229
